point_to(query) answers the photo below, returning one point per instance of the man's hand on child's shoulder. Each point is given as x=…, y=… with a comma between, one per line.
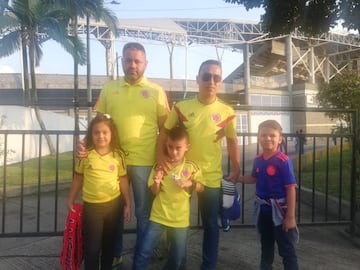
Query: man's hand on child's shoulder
x=81, y=151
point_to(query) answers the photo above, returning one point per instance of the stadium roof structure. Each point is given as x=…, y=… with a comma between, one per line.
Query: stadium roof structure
x=307, y=58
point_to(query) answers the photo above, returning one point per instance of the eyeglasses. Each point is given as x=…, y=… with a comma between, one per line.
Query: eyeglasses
x=206, y=77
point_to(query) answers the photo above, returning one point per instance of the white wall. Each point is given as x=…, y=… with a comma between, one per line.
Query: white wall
x=23, y=118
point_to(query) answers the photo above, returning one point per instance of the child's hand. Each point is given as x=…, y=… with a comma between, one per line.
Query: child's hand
x=288, y=223
x=70, y=206
x=233, y=176
x=184, y=183
x=127, y=213
x=158, y=176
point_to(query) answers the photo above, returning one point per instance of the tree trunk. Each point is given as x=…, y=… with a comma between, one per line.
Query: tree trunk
x=35, y=97
x=76, y=86
x=25, y=70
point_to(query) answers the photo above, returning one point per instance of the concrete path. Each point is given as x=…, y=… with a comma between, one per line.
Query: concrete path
x=320, y=247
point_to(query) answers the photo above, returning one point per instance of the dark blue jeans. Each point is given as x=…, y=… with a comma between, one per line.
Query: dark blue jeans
x=138, y=176
x=209, y=208
x=177, y=238
x=285, y=240
x=99, y=228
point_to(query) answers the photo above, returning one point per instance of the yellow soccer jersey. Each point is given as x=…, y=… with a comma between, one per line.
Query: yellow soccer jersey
x=101, y=176
x=171, y=206
x=206, y=125
x=135, y=110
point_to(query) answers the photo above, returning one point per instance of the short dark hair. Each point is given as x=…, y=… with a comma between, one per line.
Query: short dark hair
x=209, y=62
x=133, y=46
x=271, y=124
x=178, y=133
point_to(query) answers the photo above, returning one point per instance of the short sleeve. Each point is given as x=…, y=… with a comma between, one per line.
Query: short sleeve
x=79, y=165
x=172, y=120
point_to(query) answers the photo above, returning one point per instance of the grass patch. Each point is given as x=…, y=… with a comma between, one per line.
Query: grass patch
x=32, y=174
x=334, y=177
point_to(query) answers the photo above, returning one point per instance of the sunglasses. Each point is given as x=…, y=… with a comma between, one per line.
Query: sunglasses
x=206, y=77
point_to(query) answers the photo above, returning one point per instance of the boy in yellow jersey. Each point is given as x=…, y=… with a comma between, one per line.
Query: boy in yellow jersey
x=207, y=120
x=170, y=211
x=139, y=109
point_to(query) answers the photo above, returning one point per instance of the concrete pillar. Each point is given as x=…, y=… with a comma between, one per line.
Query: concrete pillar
x=247, y=84
x=327, y=69
x=312, y=68
x=289, y=66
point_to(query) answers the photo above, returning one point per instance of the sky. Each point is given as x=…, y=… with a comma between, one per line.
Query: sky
x=57, y=61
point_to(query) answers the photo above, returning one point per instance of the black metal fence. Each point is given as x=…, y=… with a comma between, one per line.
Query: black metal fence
x=34, y=184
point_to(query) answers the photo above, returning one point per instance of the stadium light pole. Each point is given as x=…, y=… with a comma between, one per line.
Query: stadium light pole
x=88, y=71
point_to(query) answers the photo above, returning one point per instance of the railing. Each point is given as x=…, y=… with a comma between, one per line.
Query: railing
x=34, y=185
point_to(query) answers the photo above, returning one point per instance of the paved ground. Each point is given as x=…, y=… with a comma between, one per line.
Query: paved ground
x=320, y=247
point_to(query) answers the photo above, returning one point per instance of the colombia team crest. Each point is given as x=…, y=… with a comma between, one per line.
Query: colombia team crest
x=216, y=117
x=185, y=173
x=145, y=93
x=111, y=167
x=270, y=170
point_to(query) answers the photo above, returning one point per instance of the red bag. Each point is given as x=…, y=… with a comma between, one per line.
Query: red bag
x=72, y=248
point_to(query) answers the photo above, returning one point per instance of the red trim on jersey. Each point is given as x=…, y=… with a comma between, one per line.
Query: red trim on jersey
x=226, y=121
x=182, y=117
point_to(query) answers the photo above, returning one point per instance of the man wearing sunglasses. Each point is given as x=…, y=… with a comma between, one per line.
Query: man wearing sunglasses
x=208, y=120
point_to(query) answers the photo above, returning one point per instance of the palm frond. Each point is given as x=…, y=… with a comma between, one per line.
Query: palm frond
x=9, y=43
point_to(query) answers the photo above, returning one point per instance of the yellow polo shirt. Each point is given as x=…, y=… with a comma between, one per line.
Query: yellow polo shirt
x=206, y=125
x=135, y=110
x=101, y=176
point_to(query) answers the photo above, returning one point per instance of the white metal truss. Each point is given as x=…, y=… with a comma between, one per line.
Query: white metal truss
x=322, y=56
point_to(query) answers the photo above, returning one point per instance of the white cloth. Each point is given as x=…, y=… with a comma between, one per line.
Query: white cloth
x=228, y=193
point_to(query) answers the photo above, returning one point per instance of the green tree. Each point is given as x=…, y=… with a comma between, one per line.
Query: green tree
x=311, y=17
x=25, y=25
x=342, y=92
x=85, y=9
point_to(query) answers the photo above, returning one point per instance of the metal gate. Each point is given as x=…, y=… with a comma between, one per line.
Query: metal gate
x=34, y=184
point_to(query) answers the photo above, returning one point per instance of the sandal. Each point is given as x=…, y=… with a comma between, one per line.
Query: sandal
x=117, y=263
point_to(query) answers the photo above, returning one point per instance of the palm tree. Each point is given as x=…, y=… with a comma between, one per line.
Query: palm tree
x=25, y=25
x=85, y=9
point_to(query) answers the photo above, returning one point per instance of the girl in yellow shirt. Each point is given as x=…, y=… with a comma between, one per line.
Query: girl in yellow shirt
x=105, y=192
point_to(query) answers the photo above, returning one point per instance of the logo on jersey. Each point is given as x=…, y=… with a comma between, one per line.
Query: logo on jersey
x=216, y=117
x=270, y=170
x=185, y=173
x=145, y=93
x=111, y=167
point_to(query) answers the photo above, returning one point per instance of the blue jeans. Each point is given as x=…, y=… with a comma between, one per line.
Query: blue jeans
x=99, y=227
x=209, y=204
x=285, y=240
x=138, y=176
x=177, y=238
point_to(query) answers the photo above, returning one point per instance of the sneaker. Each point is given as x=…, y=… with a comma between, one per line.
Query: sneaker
x=117, y=263
x=226, y=229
